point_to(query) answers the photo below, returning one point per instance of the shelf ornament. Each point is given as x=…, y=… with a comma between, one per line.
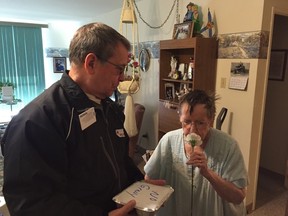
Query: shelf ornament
x=192, y=14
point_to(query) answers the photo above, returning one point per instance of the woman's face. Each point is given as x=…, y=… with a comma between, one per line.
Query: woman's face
x=198, y=122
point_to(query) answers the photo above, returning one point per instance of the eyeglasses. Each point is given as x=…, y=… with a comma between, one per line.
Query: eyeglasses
x=197, y=124
x=121, y=68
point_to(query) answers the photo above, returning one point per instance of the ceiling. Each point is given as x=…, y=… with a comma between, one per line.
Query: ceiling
x=44, y=11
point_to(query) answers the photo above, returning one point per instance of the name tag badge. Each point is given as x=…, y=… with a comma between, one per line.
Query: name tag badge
x=120, y=132
x=87, y=118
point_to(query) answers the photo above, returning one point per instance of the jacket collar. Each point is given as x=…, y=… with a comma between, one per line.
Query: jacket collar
x=77, y=97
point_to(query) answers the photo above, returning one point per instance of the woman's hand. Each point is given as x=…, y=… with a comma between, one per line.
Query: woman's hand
x=198, y=159
x=160, y=182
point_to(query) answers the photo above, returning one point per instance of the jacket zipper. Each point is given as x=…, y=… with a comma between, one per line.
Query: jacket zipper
x=115, y=169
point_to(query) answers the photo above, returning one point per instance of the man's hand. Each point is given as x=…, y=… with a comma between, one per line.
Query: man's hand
x=124, y=210
x=128, y=207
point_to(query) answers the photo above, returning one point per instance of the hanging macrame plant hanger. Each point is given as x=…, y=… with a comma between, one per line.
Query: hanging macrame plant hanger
x=131, y=84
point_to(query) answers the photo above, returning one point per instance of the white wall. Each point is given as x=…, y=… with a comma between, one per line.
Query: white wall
x=57, y=35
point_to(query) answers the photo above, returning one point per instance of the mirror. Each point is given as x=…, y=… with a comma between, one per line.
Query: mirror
x=144, y=59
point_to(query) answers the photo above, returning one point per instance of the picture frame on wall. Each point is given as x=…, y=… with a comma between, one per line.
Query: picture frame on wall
x=183, y=30
x=59, y=64
x=169, y=91
x=278, y=63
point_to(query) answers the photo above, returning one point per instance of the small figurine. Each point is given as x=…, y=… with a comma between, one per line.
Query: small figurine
x=185, y=77
x=189, y=14
x=192, y=15
x=190, y=69
x=180, y=93
x=173, y=64
x=186, y=89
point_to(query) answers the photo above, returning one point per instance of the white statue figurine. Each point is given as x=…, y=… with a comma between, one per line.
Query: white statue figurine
x=173, y=64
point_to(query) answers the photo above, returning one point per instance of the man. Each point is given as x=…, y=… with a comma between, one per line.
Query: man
x=66, y=153
x=218, y=185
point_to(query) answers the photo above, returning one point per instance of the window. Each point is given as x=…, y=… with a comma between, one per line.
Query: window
x=22, y=63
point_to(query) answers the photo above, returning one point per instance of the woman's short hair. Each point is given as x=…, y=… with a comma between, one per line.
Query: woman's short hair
x=195, y=97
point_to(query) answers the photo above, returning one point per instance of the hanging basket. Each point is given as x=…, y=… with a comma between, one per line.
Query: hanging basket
x=129, y=85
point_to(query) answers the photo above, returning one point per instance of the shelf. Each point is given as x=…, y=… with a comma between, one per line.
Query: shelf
x=174, y=101
x=187, y=43
x=204, y=53
x=178, y=81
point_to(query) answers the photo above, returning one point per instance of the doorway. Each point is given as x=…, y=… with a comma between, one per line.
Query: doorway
x=274, y=147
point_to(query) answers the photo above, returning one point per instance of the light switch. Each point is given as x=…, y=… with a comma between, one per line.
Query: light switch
x=223, y=83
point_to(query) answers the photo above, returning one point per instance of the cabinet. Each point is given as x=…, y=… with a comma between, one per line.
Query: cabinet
x=204, y=52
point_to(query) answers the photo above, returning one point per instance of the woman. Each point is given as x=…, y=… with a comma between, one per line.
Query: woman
x=220, y=177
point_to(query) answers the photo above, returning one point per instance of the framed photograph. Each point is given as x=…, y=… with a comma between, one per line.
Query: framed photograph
x=278, y=62
x=169, y=91
x=183, y=30
x=59, y=64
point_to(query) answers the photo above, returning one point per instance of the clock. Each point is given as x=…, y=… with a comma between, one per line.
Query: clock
x=175, y=76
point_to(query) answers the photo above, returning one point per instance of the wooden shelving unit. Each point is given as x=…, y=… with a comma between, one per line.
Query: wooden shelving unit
x=204, y=53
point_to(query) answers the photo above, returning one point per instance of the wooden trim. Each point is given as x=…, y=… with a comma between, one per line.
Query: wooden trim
x=249, y=208
x=23, y=24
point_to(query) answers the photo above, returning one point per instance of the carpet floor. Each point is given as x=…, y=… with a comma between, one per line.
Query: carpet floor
x=272, y=196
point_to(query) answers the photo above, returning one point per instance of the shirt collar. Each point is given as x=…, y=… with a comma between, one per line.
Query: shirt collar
x=93, y=98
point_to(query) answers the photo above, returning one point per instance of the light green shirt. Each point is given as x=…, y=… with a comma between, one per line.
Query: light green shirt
x=168, y=162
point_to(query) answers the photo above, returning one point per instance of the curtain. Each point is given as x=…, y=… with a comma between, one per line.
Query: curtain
x=21, y=60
